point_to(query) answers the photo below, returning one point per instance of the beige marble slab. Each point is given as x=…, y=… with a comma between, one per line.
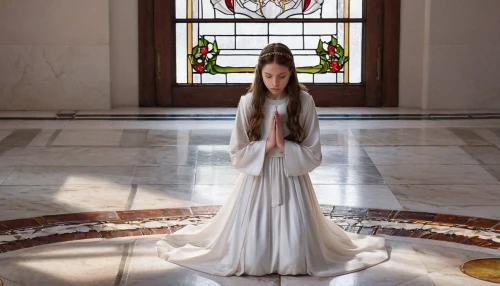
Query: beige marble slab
x=216, y=175
x=406, y=136
x=344, y=155
x=443, y=264
x=421, y=155
x=42, y=138
x=357, y=196
x=96, y=156
x=70, y=76
x=144, y=268
x=402, y=267
x=346, y=174
x=436, y=174
x=467, y=200
x=31, y=201
x=88, y=138
x=211, y=194
x=162, y=125
x=483, y=154
x=33, y=124
x=177, y=196
x=6, y=113
x=4, y=173
x=59, y=176
x=4, y=133
x=93, y=262
x=162, y=196
x=176, y=175
x=489, y=136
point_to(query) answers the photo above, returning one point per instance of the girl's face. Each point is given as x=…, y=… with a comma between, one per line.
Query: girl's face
x=275, y=77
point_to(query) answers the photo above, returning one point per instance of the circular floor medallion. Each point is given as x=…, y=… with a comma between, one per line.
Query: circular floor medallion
x=487, y=269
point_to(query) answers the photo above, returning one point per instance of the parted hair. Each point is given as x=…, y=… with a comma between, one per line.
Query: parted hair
x=280, y=54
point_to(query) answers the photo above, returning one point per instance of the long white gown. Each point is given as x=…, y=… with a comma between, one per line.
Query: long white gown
x=272, y=222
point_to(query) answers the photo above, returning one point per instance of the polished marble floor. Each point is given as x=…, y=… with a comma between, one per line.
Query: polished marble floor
x=52, y=167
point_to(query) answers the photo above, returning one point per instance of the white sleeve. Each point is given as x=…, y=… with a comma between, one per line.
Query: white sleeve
x=246, y=157
x=302, y=158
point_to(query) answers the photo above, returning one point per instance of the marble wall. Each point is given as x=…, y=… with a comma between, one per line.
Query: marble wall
x=449, y=54
x=54, y=54
x=124, y=45
x=73, y=54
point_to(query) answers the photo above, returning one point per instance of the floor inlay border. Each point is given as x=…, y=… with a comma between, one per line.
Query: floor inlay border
x=30, y=232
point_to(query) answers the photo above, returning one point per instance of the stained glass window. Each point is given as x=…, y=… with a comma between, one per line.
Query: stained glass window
x=218, y=41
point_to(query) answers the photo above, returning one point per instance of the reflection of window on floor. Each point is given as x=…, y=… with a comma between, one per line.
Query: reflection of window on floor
x=217, y=42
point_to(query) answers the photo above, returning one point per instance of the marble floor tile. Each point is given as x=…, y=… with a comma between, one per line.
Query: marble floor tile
x=31, y=124
x=20, y=138
x=489, y=136
x=160, y=125
x=95, y=156
x=72, y=263
x=467, y=200
x=211, y=194
x=346, y=174
x=216, y=175
x=213, y=155
x=162, y=196
x=357, y=196
x=175, y=175
x=59, y=176
x=4, y=173
x=28, y=114
x=495, y=131
x=494, y=170
x=42, y=138
x=344, y=155
x=406, y=136
x=4, y=133
x=454, y=276
x=161, y=110
x=403, y=267
x=483, y=154
x=443, y=264
x=438, y=258
x=420, y=155
x=88, y=138
x=153, y=137
x=177, y=196
x=469, y=136
x=209, y=137
x=144, y=268
x=337, y=137
x=436, y=174
x=31, y=201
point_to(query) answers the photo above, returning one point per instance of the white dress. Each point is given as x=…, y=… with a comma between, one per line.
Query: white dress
x=272, y=222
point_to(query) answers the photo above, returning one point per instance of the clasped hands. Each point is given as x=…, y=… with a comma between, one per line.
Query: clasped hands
x=275, y=137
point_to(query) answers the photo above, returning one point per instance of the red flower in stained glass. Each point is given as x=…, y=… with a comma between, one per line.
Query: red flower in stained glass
x=331, y=50
x=204, y=51
x=199, y=67
x=334, y=66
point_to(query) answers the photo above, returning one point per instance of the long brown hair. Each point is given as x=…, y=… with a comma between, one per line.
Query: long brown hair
x=280, y=54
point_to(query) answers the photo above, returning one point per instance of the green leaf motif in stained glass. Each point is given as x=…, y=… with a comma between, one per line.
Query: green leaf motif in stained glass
x=203, y=60
x=215, y=47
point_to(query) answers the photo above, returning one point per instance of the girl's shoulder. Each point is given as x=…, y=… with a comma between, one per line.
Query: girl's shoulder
x=306, y=100
x=246, y=99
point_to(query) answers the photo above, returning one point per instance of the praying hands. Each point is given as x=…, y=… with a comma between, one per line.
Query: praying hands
x=275, y=137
